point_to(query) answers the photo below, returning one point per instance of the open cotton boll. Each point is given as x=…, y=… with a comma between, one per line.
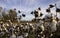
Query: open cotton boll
x=53, y=26
x=42, y=27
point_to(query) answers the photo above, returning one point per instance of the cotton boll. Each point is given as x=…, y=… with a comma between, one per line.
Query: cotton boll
x=53, y=26
x=42, y=27
x=7, y=24
x=51, y=34
x=21, y=25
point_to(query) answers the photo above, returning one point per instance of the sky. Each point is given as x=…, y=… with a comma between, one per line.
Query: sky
x=26, y=6
x=8, y=4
